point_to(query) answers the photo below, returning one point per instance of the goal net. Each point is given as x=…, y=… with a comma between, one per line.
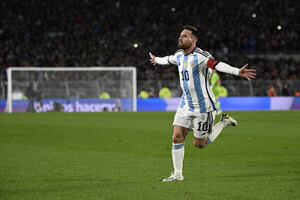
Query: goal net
x=92, y=89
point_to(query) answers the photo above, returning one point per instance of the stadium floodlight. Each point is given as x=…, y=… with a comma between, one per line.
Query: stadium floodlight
x=71, y=89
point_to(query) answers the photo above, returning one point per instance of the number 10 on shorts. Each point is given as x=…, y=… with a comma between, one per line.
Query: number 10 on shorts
x=202, y=126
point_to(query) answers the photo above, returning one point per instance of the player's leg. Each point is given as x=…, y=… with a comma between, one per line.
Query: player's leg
x=203, y=125
x=179, y=135
x=199, y=142
x=201, y=139
x=181, y=126
x=225, y=121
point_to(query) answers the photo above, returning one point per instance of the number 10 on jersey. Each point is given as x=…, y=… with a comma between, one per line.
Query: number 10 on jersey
x=185, y=75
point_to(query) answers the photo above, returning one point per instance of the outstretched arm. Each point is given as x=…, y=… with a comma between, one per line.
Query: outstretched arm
x=167, y=60
x=243, y=72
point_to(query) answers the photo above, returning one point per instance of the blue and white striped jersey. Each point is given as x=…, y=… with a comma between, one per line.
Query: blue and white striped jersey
x=195, y=70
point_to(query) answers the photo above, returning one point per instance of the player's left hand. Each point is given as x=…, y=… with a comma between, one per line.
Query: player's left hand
x=247, y=73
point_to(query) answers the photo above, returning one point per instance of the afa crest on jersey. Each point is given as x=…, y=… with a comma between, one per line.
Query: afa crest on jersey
x=185, y=64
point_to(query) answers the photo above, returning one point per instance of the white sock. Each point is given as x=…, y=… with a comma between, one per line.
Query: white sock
x=177, y=156
x=217, y=128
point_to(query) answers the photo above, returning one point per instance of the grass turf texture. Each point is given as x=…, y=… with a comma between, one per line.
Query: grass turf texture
x=125, y=156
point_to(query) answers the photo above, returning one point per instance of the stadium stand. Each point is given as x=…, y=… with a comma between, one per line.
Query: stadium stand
x=84, y=33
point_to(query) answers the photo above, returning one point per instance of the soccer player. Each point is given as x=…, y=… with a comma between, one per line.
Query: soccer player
x=197, y=108
x=216, y=87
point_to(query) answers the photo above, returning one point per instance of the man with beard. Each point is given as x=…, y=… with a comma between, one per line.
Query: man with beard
x=197, y=108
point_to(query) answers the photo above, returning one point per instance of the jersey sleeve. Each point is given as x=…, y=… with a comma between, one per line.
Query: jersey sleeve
x=223, y=67
x=167, y=60
x=206, y=59
x=162, y=60
x=211, y=62
x=172, y=60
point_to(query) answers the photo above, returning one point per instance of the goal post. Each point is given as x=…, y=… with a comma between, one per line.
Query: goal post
x=71, y=89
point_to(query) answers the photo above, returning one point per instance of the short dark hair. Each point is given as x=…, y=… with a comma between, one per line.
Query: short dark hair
x=194, y=30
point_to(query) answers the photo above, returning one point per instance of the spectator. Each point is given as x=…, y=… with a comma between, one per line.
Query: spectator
x=165, y=93
x=271, y=91
x=285, y=90
x=104, y=95
x=32, y=95
x=143, y=94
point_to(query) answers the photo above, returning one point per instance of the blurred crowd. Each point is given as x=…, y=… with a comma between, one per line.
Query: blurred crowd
x=84, y=33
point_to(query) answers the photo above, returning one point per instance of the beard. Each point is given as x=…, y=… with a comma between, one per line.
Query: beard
x=184, y=46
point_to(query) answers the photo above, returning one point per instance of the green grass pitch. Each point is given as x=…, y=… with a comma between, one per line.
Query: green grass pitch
x=125, y=156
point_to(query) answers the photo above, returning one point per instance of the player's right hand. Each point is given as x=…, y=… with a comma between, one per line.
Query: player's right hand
x=152, y=58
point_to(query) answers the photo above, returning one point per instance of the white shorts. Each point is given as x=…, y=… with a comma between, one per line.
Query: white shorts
x=201, y=123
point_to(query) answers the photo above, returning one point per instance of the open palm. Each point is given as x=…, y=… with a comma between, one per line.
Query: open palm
x=247, y=73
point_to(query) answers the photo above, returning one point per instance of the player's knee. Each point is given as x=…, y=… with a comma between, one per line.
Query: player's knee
x=177, y=139
x=199, y=145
